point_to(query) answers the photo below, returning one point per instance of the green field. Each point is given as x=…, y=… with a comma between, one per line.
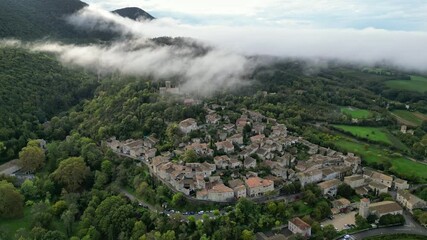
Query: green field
x=357, y=113
x=370, y=133
x=10, y=226
x=409, y=118
x=417, y=84
x=373, y=154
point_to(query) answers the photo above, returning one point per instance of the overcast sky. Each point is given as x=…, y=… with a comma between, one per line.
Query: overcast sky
x=403, y=15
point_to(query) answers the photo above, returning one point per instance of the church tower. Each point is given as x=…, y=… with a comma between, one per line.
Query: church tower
x=364, y=207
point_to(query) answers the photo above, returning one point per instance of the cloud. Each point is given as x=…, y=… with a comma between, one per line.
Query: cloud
x=368, y=46
x=390, y=14
x=200, y=72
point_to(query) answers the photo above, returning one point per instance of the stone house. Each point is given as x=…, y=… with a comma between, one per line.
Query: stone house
x=298, y=226
x=188, y=125
x=329, y=187
x=410, y=201
x=256, y=186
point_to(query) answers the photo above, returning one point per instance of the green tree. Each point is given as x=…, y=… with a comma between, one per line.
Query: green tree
x=59, y=207
x=29, y=190
x=41, y=214
x=361, y=222
x=68, y=218
x=248, y=235
x=309, y=197
x=11, y=201
x=345, y=191
x=189, y=156
x=113, y=216
x=91, y=153
x=329, y=232
x=2, y=148
x=31, y=158
x=178, y=200
x=71, y=172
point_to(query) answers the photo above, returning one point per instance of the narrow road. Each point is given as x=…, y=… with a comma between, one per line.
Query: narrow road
x=410, y=227
x=140, y=202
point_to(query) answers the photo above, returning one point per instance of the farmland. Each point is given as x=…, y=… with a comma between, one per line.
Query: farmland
x=370, y=133
x=401, y=166
x=357, y=113
x=416, y=84
x=409, y=118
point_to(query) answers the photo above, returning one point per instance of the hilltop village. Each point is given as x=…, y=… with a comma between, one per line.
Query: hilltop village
x=252, y=157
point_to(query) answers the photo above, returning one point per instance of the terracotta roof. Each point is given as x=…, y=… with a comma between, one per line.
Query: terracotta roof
x=300, y=223
x=253, y=182
x=220, y=188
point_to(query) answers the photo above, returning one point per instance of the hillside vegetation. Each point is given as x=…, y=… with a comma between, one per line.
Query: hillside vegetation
x=36, y=19
x=35, y=87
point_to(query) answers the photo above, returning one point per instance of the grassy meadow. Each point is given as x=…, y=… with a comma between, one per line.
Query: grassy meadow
x=416, y=84
x=374, y=154
x=409, y=118
x=370, y=133
x=357, y=113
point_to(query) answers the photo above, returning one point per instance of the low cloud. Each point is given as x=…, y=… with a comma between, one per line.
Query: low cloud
x=367, y=46
x=201, y=73
x=216, y=59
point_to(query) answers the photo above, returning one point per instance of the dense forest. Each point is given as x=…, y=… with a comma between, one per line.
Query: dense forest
x=40, y=19
x=35, y=87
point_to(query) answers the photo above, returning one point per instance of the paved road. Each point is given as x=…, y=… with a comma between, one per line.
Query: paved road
x=410, y=227
x=141, y=203
x=169, y=213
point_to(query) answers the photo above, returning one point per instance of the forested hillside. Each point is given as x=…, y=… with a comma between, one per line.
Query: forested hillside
x=34, y=88
x=36, y=19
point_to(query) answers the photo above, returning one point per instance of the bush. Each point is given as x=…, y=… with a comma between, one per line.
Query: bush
x=392, y=219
